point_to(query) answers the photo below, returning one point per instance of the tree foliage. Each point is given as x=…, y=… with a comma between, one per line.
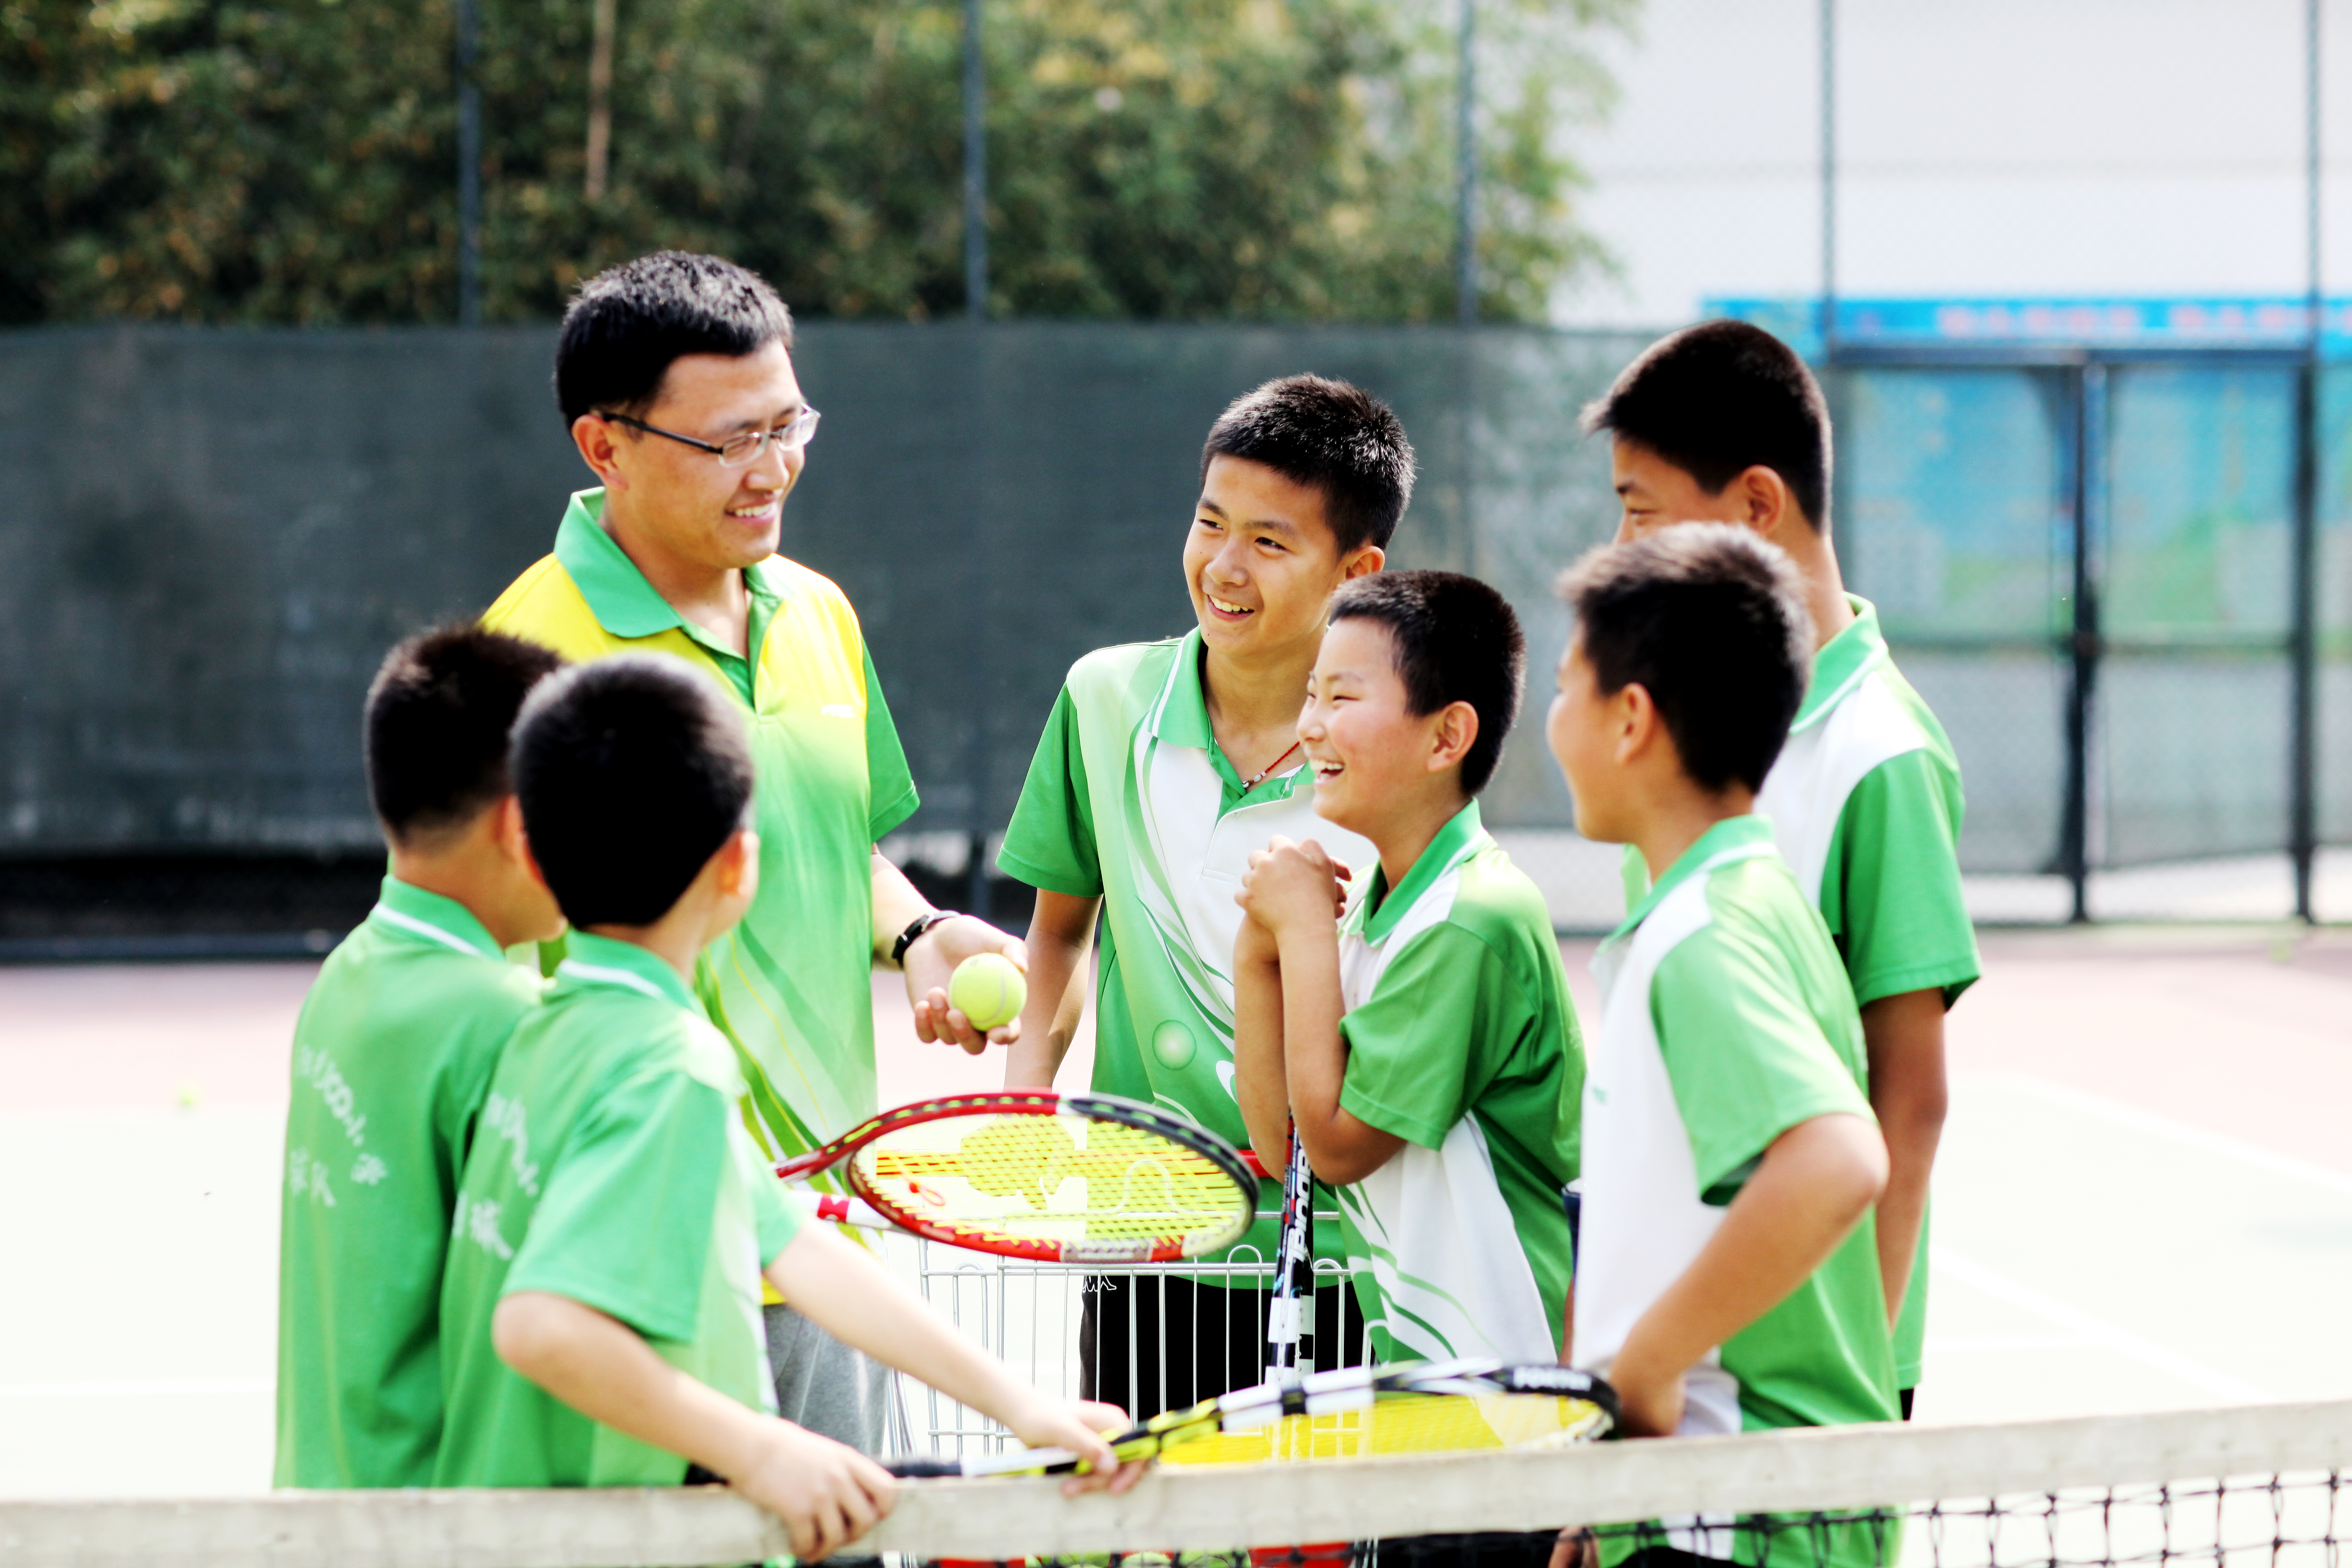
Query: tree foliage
x=292, y=161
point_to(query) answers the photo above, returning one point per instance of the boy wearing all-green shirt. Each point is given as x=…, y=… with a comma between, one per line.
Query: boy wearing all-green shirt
x=1727, y=1270
x=393, y=1053
x=1722, y=422
x=1422, y=1042
x=601, y=1314
x=1163, y=766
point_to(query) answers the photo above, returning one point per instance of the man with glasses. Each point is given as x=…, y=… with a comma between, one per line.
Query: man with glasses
x=674, y=372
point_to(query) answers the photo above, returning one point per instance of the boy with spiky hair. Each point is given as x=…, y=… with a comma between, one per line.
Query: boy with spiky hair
x=1727, y=1272
x=1422, y=1042
x=1163, y=766
x=393, y=1054
x=601, y=1309
x=1722, y=422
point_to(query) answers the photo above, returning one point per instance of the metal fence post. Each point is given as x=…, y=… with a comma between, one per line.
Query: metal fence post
x=2082, y=642
x=2302, y=826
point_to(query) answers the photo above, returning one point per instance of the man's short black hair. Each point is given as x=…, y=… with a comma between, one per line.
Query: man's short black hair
x=438, y=714
x=1455, y=640
x=628, y=323
x=632, y=771
x=1329, y=436
x=1710, y=620
x=1719, y=398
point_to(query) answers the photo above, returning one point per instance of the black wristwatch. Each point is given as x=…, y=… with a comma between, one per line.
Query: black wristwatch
x=914, y=929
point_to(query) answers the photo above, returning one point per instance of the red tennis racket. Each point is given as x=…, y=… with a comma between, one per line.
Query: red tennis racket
x=1063, y=1178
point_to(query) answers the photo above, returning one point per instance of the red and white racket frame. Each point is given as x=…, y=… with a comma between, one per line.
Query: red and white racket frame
x=870, y=1208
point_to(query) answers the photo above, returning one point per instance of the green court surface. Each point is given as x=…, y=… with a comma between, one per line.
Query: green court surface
x=2144, y=1198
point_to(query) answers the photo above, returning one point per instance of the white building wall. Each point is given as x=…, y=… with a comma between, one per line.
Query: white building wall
x=1987, y=148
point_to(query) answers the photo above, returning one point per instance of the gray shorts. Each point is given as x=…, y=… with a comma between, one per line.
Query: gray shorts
x=825, y=1385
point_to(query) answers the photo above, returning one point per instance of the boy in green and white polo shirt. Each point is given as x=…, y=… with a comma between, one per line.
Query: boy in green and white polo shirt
x=1163, y=766
x=1423, y=1043
x=1722, y=422
x=600, y=1311
x=393, y=1054
x=1728, y=1271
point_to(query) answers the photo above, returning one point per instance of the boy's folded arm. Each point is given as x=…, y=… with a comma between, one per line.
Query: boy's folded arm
x=1259, y=1085
x=827, y=1494
x=1814, y=1183
x=1059, y=932
x=841, y=1287
x=1342, y=1147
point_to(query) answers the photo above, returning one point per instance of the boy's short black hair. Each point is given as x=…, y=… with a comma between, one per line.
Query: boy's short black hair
x=628, y=323
x=1332, y=437
x=1710, y=620
x=438, y=714
x=1455, y=640
x=632, y=771
x=1719, y=398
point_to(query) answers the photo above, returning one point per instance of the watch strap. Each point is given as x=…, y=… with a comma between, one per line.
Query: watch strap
x=915, y=929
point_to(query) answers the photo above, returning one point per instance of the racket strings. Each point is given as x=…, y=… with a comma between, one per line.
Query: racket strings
x=1065, y=1176
x=1396, y=1424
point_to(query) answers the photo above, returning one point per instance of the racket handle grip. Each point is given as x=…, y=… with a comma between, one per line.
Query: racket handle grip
x=851, y=1210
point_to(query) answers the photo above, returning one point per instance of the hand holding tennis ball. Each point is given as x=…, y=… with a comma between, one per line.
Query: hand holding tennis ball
x=988, y=989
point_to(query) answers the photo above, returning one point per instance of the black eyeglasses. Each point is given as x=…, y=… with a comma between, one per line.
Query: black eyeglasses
x=736, y=450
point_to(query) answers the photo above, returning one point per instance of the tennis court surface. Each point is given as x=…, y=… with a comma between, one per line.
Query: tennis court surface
x=2143, y=1204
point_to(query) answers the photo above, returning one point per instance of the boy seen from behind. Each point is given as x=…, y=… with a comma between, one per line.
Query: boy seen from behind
x=1727, y=1268
x=601, y=1313
x=1722, y=422
x=393, y=1054
x=1423, y=1041
x=1163, y=766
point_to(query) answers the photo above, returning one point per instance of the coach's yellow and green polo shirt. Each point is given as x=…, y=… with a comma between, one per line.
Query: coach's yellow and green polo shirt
x=791, y=984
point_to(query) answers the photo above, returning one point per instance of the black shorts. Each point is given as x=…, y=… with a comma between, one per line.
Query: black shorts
x=1150, y=1343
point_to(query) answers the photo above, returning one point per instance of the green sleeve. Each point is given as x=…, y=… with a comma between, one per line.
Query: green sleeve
x=1421, y=1048
x=1891, y=892
x=1050, y=843
x=626, y=1218
x=1746, y=1059
x=891, y=786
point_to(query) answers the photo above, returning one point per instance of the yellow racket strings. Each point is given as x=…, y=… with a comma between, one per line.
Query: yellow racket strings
x=1062, y=1176
x=1399, y=1424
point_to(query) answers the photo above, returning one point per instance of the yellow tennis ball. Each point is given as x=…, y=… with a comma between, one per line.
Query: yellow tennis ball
x=987, y=989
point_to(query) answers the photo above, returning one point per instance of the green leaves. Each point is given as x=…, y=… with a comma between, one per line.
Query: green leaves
x=292, y=161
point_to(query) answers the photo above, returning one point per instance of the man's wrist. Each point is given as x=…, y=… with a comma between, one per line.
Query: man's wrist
x=918, y=927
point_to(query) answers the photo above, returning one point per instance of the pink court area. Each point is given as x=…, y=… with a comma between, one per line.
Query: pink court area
x=2244, y=1032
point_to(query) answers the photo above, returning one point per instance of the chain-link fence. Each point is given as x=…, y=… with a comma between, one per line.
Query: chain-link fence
x=215, y=536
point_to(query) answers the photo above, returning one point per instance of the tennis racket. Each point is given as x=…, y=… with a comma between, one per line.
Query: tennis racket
x=1060, y=1178
x=1407, y=1408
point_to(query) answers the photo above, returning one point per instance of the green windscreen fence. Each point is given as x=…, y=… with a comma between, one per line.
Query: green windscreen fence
x=211, y=537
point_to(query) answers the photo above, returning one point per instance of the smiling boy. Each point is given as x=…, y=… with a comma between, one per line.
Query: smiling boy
x=1163, y=766
x=1424, y=1042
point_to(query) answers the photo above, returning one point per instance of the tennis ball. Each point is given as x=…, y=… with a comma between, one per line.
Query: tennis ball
x=987, y=989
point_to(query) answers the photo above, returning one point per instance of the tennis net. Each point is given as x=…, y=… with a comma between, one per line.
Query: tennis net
x=2263, y=1484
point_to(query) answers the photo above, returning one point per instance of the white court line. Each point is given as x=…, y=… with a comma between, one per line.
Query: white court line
x=2094, y=1330
x=2140, y=1120
x=157, y=1388
x=2004, y=1344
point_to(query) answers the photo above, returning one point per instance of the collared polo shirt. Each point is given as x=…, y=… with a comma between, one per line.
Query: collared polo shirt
x=393, y=1054
x=613, y=1168
x=1130, y=800
x=791, y=984
x=1726, y=1020
x=1866, y=805
x=1462, y=1040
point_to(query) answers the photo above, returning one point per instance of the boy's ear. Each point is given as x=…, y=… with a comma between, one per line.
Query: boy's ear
x=1770, y=507
x=739, y=864
x=1456, y=733
x=1362, y=561
x=515, y=841
x=1638, y=725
